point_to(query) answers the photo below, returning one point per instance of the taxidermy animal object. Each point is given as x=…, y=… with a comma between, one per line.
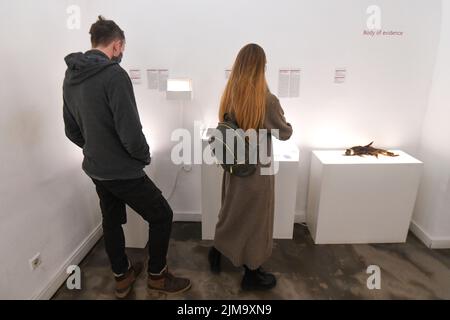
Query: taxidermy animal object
x=368, y=150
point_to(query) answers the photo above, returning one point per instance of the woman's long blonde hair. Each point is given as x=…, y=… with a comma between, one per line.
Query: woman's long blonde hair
x=245, y=92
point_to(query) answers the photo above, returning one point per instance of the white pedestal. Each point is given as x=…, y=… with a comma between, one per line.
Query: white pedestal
x=136, y=228
x=361, y=199
x=287, y=153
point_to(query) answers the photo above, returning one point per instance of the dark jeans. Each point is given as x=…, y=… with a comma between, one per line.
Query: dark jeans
x=146, y=199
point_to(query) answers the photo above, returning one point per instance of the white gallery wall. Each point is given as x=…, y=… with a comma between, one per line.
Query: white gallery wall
x=49, y=206
x=432, y=214
x=384, y=98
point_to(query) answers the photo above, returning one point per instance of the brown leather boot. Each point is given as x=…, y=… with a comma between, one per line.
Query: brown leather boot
x=167, y=283
x=124, y=283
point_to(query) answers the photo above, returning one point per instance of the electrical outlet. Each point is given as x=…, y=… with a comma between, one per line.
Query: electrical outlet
x=35, y=262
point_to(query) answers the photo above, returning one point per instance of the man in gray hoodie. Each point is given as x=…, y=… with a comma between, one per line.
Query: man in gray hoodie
x=101, y=117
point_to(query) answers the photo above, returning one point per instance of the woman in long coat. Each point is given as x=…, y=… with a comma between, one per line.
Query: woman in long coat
x=244, y=231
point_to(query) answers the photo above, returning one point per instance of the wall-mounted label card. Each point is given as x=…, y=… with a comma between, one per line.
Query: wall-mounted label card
x=157, y=79
x=289, y=83
x=227, y=73
x=284, y=76
x=339, y=75
x=153, y=79
x=135, y=76
x=294, y=86
x=163, y=76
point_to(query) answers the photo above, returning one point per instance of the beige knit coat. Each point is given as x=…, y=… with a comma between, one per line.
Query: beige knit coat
x=244, y=232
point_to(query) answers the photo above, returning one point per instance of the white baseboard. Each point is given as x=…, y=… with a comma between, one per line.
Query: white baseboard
x=427, y=239
x=187, y=216
x=75, y=258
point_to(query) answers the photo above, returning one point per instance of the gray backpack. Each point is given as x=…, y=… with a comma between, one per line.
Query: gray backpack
x=226, y=142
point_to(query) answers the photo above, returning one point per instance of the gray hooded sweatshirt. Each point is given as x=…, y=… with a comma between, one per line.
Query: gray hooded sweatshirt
x=101, y=117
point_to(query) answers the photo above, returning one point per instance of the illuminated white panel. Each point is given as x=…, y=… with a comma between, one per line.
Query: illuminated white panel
x=179, y=89
x=177, y=85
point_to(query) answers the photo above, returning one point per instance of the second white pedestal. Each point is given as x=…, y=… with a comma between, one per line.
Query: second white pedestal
x=361, y=199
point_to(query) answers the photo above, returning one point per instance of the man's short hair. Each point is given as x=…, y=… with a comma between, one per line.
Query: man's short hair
x=103, y=32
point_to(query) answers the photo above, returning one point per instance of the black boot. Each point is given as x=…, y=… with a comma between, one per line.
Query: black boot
x=214, y=260
x=257, y=280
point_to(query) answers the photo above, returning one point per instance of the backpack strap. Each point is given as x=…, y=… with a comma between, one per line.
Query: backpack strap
x=230, y=118
x=227, y=117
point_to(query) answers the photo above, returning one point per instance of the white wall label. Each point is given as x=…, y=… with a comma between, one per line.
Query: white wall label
x=283, y=83
x=294, y=87
x=289, y=83
x=227, y=73
x=163, y=75
x=152, y=79
x=135, y=76
x=339, y=75
x=157, y=79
